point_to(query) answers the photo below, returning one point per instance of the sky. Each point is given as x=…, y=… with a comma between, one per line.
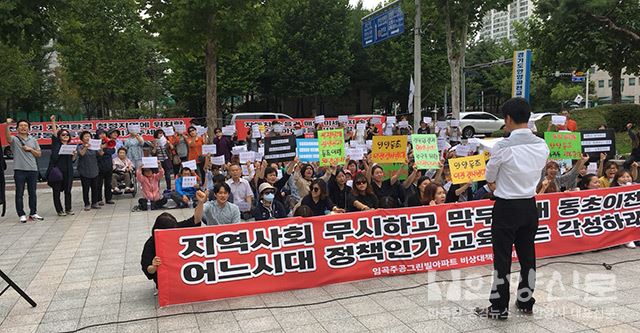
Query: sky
x=367, y=4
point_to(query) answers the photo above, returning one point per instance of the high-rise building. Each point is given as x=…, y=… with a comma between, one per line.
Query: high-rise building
x=497, y=25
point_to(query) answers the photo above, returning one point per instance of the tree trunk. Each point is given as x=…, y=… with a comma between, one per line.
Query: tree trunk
x=616, y=91
x=211, y=58
x=456, y=37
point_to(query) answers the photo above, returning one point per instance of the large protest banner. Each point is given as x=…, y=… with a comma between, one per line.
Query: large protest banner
x=243, y=127
x=42, y=130
x=207, y=263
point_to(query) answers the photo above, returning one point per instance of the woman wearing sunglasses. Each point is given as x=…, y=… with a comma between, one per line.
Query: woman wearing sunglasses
x=268, y=208
x=60, y=171
x=362, y=196
x=318, y=200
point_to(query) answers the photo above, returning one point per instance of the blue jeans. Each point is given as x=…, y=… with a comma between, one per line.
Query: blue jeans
x=30, y=178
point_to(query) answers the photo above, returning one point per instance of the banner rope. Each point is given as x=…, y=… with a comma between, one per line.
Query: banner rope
x=604, y=264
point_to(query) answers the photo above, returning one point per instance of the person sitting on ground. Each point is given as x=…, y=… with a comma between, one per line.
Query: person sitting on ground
x=435, y=194
x=122, y=168
x=267, y=207
x=589, y=182
x=149, y=261
x=221, y=211
x=318, y=199
x=362, y=197
x=183, y=194
x=150, y=185
x=303, y=211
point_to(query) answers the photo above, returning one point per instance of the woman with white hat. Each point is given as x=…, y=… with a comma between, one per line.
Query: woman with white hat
x=267, y=208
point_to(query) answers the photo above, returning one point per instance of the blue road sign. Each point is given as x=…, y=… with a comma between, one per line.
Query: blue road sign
x=387, y=23
x=578, y=78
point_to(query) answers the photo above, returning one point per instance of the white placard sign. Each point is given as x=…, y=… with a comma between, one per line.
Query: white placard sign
x=189, y=181
x=229, y=130
x=455, y=123
x=558, y=120
x=168, y=131
x=134, y=128
x=190, y=164
x=200, y=130
x=441, y=124
x=218, y=160
x=247, y=156
x=343, y=119
x=150, y=162
x=356, y=154
x=238, y=149
x=319, y=119
x=391, y=119
x=94, y=144
x=426, y=120
x=67, y=149
x=209, y=149
x=278, y=128
x=180, y=128
x=255, y=131
x=403, y=124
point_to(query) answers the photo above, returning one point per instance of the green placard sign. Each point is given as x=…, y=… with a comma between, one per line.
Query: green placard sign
x=564, y=145
x=331, y=147
x=389, y=169
x=425, y=151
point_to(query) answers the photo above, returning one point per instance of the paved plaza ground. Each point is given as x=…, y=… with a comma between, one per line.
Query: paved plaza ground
x=85, y=269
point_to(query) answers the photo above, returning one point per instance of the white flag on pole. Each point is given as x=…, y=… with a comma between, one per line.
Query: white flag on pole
x=412, y=89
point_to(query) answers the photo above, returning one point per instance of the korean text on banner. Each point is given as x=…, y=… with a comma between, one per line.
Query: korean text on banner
x=200, y=264
x=564, y=145
x=467, y=169
x=307, y=150
x=331, y=147
x=425, y=151
x=389, y=149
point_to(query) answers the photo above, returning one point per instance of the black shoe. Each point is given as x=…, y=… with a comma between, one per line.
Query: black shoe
x=110, y=202
x=525, y=308
x=491, y=314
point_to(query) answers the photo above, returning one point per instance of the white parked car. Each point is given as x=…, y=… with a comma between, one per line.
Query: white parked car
x=472, y=123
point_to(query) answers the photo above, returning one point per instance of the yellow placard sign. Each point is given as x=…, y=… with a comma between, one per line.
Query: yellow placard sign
x=389, y=149
x=466, y=169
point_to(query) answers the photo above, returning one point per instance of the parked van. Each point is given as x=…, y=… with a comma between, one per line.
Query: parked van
x=256, y=115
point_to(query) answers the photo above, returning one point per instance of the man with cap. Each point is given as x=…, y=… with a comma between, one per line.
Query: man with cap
x=267, y=207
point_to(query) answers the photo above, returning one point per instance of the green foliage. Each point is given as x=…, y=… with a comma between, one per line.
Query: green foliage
x=17, y=76
x=104, y=52
x=565, y=92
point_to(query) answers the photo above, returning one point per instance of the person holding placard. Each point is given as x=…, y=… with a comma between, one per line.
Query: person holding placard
x=161, y=148
x=194, y=142
x=223, y=144
x=180, y=151
x=569, y=124
x=424, y=128
x=88, y=169
x=134, y=148
x=150, y=186
x=105, y=166
x=60, y=180
x=122, y=171
x=454, y=133
x=385, y=188
x=514, y=167
x=25, y=150
x=339, y=190
x=183, y=194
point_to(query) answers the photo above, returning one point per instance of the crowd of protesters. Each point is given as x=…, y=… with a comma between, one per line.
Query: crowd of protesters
x=260, y=190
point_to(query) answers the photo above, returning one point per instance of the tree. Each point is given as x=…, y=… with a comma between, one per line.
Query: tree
x=562, y=92
x=311, y=55
x=209, y=27
x=104, y=52
x=569, y=34
x=460, y=19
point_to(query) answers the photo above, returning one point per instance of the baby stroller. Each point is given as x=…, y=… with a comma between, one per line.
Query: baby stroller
x=121, y=183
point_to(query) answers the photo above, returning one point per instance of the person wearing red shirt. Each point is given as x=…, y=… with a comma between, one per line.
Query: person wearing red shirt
x=569, y=125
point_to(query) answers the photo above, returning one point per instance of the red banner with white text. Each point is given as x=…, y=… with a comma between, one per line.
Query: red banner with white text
x=208, y=263
x=243, y=127
x=42, y=130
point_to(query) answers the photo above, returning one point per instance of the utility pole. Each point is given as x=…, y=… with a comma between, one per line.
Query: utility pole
x=586, y=97
x=417, y=67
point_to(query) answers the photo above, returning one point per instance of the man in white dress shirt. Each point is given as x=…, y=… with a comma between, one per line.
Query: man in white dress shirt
x=514, y=167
